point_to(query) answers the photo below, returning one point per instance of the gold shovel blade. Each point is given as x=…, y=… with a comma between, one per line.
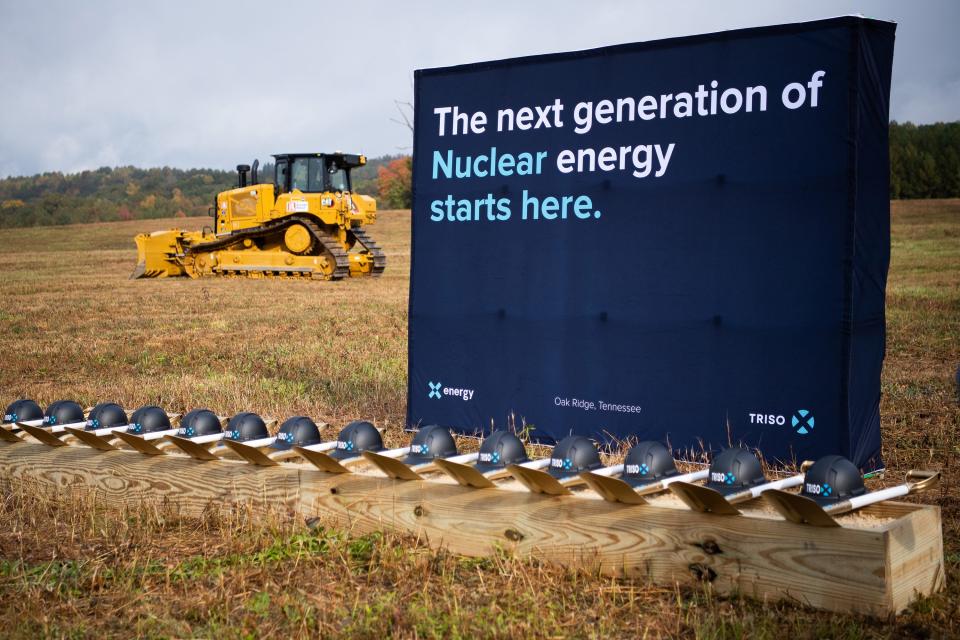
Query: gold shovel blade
x=90, y=439
x=139, y=444
x=8, y=436
x=538, y=481
x=612, y=489
x=703, y=499
x=43, y=436
x=321, y=460
x=464, y=474
x=798, y=509
x=193, y=449
x=393, y=468
x=250, y=454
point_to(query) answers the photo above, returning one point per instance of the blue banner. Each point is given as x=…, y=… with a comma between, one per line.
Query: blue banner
x=684, y=240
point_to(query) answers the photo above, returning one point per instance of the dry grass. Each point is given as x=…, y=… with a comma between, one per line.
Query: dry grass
x=73, y=326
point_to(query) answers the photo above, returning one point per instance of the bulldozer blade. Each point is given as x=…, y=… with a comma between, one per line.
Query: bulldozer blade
x=321, y=460
x=538, y=481
x=91, y=440
x=42, y=435
x=464, y=474
x=392, y=467
x=703, y=499
x=612, y=489
x=251, y=454
x=143, y=446
x=193, y=449
x=9, y=436
x=799, y=509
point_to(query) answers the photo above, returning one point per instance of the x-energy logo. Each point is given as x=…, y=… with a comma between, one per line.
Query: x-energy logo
x=802, y=421
x=437, y=390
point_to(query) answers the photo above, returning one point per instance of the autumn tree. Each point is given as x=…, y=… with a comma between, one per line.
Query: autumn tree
x=395, y=183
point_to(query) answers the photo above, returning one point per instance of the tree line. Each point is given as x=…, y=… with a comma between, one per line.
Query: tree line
x=127, y=193
x=925, y=160
x=924, y=163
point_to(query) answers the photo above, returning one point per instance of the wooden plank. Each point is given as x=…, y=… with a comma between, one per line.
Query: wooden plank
x=875, y=570
x=914, y=556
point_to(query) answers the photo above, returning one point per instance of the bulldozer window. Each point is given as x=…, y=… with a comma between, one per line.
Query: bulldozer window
x=281, y=176
x=313, y=175
x=300, y=174
x=337, y=179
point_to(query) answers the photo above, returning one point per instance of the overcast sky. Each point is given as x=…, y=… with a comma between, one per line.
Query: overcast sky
x=211, y=84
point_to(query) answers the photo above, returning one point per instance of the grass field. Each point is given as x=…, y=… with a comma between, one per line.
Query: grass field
x=73, y=326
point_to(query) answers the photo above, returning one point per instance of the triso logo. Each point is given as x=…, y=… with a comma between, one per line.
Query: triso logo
x=824, y=489
x=434, y=390
x=802, y=421
x=727, y=478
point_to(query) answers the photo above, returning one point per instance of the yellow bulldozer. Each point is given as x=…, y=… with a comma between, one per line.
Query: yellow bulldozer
x=305, y=222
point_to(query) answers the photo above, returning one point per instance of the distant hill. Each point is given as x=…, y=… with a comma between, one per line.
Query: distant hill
x=129, y=193
x=924, y=163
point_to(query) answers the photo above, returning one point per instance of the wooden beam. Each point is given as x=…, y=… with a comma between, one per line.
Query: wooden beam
x=876, y=563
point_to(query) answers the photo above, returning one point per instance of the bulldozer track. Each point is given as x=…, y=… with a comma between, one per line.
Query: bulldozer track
x=332, y=247
x=379, y=258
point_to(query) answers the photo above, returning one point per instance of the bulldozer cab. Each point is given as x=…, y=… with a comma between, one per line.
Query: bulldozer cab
x=314, y=172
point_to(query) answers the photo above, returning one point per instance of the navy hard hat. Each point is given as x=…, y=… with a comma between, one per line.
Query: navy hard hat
x=199, y=422
x=430, y=442
x=572, y=455
x=63, y=412
x=148, y=420
x=22, y=410
x=734, y=470
x=832, y=479
x=498, y=450
x=106, y=414
x=357, y=436
x=298, y=431
x=135, y=416
x=648, y=462
x=246, y=426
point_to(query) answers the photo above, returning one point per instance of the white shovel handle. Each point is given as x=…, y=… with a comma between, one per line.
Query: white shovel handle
x=156, y=435
x=609, y=471
x=213, y=437
x=323, y=446
x=785, y=483
x=464, y=458
x=62, y=427
x=536, y=464
x=108, y=430
x=259, y=442
x=878, y=496
x=693, y=476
